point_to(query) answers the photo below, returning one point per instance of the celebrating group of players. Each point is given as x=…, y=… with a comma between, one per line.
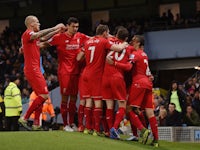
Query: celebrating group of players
x=96, y=67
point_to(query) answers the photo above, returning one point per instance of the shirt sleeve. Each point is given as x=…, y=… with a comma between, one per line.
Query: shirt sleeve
x=108, y=44
x=53, y=41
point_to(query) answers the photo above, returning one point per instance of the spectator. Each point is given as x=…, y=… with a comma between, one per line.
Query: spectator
x=162, y=116
x=176, y=96
x=178, y=20
x=13, y=104
x=2, y=113
x=195, y=83
x=191, y=118
x=196, y=102
x=188, y=84
x=173, y=117
x=170, y=17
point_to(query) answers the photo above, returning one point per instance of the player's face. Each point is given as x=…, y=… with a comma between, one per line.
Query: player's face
x=106, y=34
x=73, y=28
x=134, y=42
x=36, y=24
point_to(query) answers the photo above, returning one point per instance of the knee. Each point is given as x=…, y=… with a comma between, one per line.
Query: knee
x=45, y=96
x=136, y=110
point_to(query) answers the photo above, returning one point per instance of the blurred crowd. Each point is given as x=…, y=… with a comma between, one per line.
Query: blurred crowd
x=165, y=22
x=181, y=105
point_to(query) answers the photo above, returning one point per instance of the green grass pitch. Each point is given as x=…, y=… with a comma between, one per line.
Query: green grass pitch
x=59, y=140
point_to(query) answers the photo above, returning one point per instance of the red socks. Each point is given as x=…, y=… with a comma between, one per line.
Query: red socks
x=72, y=111
x=88, y=117
x=38, y=112
x=154, y=127
x=135, y=120
x=35, y=105
x=110, y=117
x=119, y=117
x=142, y=119
x=80, y=115
x=63, y=111
x=97, y=112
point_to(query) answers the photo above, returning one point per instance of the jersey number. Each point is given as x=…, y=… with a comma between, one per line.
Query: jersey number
x=92, y=49
x=118, y=56
x=148, y=72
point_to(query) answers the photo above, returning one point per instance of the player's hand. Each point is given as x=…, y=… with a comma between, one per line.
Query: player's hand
x=151, y=78
x=109, y=60
x=61, y=27
x=125, y=44
x=20, y=50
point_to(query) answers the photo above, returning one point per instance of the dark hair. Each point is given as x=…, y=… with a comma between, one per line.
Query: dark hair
x=174, y=81
x=12, y=78
x=72, y=20
x=117, y=29
x=140, y=39
x=172, y=104
x=122, y=33
x=101, y=29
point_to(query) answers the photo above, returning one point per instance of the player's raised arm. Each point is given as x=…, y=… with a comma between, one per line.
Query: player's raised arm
x=50, y=32
x=119, y=47
x=124, y=66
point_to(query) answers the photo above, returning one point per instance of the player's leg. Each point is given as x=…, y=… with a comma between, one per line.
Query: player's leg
x=81, y=114
x=38, y=84
x=88, y=116
x=148, y=105
x=97, y=113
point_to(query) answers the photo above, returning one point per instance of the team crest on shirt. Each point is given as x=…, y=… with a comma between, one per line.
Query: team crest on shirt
x=78, y=41
x=132, y=56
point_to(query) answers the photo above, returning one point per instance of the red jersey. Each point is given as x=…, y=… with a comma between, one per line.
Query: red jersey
x=141, y=71
x=31, y=52
x=67, y=49
x=121, y=57
x=95, y=55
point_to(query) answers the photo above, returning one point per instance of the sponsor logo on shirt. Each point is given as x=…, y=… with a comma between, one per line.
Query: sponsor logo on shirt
x=72, y=46
x=132, y=56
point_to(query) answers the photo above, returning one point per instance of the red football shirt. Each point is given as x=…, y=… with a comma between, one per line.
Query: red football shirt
x=141, y=71
x=121, y=57
x=31, y=51
x=67, y=49
x=95, y=54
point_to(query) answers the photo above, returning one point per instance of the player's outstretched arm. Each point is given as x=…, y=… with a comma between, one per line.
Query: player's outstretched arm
x=119, y=47
x=124, y=66
x=44, y=32
x=80, y=56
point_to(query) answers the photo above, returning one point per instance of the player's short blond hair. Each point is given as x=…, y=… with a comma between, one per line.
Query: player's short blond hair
x=29, y=19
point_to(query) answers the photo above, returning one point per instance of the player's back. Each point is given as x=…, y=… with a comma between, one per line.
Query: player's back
x=141, y=71
x=95, y=54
